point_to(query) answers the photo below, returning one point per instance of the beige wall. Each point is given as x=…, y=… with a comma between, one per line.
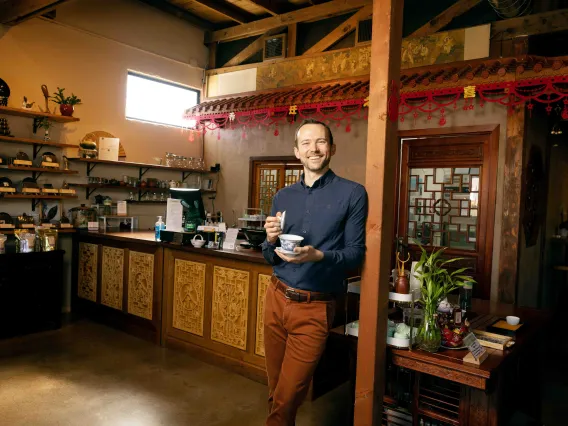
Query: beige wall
x=94, y=66
x=234, y=154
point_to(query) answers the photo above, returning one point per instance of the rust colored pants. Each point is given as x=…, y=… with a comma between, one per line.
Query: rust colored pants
x=295, y=334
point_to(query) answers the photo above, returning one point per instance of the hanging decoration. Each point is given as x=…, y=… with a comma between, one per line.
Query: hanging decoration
x=549, y=90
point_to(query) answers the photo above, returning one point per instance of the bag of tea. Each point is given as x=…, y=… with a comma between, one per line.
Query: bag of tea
x=25, y=240
x=47, y=239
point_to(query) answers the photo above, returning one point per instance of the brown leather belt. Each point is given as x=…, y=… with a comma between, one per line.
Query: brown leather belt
x=300, y=295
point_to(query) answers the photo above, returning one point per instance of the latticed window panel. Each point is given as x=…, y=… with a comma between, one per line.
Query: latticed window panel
x=443, y=207
x=268, y=187
x=292, y=176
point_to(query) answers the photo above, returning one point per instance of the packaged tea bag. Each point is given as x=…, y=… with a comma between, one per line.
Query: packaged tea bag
x=25, y=240
x=47, y=239
x=3, y=239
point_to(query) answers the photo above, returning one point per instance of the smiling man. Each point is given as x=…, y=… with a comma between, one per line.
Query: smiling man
x=329, y=212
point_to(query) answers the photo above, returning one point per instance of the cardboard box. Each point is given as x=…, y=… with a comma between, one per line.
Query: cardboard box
x=108, y=149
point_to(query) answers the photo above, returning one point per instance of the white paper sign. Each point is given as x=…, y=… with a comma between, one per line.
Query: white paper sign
x=174, y=215
x=121, y=208
x=230, y=238
x=473, y=345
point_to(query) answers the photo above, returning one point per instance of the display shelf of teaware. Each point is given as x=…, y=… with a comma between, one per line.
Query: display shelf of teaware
x=107, y=186
x=59, y=230
x=38, y=169
x=92, y=162
x=20, y=112
x=405, y=301
x=36, y=197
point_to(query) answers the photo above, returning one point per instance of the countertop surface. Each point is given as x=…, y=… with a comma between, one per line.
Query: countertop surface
x=147, y=237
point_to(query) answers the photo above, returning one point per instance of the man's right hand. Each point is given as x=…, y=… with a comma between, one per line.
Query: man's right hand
x=272, y=227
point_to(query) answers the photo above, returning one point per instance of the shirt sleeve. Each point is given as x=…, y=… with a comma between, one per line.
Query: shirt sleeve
x=267, y=247
x=351, y=257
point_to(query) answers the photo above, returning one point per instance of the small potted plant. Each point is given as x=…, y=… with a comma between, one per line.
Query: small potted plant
x=66, y=103
x=437, y=283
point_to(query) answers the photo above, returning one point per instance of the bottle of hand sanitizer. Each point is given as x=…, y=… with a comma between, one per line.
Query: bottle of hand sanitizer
x=158, y=227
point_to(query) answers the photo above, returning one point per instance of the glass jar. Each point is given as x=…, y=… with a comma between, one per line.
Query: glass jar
x=429, y=335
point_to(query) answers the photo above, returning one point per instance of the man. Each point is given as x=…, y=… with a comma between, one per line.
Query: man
x=330, y=213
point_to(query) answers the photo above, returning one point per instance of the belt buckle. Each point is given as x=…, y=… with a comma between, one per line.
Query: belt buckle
x=291, y=294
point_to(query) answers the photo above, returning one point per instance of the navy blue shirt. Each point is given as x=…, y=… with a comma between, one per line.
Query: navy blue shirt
x=331, y=216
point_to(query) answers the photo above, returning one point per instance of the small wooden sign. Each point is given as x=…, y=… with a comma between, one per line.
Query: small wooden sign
x=477, y=353
x=6, y=226
x=30, y=191
x=7, y=189
x=67, y=191
x=66, y=225
x=22, y=163
x=50, y=191
x=27, y=225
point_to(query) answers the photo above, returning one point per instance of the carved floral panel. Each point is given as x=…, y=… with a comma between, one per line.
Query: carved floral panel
x=230, y=307
x=141, y=284
x=87, y=282
x=189, y=296
x=263, y=283
x=112, y=277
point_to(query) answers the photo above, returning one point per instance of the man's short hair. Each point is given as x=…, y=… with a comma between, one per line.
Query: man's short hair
x=312, y=121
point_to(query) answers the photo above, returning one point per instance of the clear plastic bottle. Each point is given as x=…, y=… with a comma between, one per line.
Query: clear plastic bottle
x=158, y=227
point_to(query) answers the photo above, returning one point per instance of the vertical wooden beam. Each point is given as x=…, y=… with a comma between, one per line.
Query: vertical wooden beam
x=292, y=36
x=212, y=56
x=510, y=227
x=382, y=142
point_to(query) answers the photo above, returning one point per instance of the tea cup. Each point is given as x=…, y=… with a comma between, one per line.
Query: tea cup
x=288, y=242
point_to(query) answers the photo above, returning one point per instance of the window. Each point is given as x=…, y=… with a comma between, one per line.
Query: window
x=269, y=176
x=158, y=101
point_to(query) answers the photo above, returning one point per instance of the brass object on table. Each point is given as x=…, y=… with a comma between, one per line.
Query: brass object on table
x=402, y=285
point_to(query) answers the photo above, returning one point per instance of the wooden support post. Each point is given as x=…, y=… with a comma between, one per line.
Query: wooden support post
x=380, y=181
x=444, y=18
x=510, y=225
x=212, y=56
x=292, y=36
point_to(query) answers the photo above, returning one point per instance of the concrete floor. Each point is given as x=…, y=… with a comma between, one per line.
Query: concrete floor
x=87, y=374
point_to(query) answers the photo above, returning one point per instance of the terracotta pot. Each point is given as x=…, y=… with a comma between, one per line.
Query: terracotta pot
x=66, y=110
x=402, y=285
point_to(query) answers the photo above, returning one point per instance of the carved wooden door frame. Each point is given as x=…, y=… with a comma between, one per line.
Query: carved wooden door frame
x=480, y=141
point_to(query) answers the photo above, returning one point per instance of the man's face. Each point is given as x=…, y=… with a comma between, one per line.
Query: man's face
x=314, y=150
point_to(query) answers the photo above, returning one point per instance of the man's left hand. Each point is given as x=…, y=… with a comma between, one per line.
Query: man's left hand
x=305, y=254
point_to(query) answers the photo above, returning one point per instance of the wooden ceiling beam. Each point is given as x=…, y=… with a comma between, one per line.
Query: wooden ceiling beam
x=251, y=49
x=444, y=18
x=273, y=7
x=13, y=12
x=341, y=31
x=180, y=13
x=259, y=27
x=228, y=10
x=540, y=23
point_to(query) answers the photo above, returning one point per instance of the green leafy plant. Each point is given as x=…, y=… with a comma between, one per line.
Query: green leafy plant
x=60, y=98
x=44, y=123
x=437, y=281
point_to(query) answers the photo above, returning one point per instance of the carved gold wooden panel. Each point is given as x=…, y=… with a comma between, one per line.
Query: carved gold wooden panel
x=230, y=306
x=112, y=277
x=189, y=296
x=140, y=284
x=87, y=280
x=263, y=283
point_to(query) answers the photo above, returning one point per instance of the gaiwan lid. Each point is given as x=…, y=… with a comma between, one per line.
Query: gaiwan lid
x=4, y=89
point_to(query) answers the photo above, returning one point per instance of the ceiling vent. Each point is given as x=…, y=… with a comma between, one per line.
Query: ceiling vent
x=274, y=47
x=364, y=31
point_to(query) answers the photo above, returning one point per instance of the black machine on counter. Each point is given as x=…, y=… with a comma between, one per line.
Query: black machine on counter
x=193, y=216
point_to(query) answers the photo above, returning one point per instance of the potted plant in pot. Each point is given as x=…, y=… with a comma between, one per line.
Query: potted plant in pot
x=436, y=283
x=66, y=103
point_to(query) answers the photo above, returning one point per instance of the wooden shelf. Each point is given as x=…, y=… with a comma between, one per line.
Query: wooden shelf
x=39, y=169
x=27, y=141
x=60, y=231
x=145, y=202
x=437, y=416
x=38, y=197
x=140, y=165
x=19, y=112
x=108, y=186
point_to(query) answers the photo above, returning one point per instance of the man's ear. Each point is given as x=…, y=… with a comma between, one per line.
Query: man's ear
x=296, y=152
x=333, y=147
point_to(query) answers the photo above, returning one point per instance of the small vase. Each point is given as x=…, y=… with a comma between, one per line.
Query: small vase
x=46, y=137
x=402, y=285
x=66, y=110
x=429, y=335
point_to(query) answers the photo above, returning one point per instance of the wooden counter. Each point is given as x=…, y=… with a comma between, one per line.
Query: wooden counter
x=207, y=302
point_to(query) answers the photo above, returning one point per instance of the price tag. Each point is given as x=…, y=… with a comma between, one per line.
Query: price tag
x=230, y=238
x=475, y=348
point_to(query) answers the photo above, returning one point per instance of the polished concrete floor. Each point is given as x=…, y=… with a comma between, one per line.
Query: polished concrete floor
x=87, y=374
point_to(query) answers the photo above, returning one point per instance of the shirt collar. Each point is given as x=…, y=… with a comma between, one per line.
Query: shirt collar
x=321, y=182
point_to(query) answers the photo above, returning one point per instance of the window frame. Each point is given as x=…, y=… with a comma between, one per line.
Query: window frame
x=255, y=162
x=157, y=80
